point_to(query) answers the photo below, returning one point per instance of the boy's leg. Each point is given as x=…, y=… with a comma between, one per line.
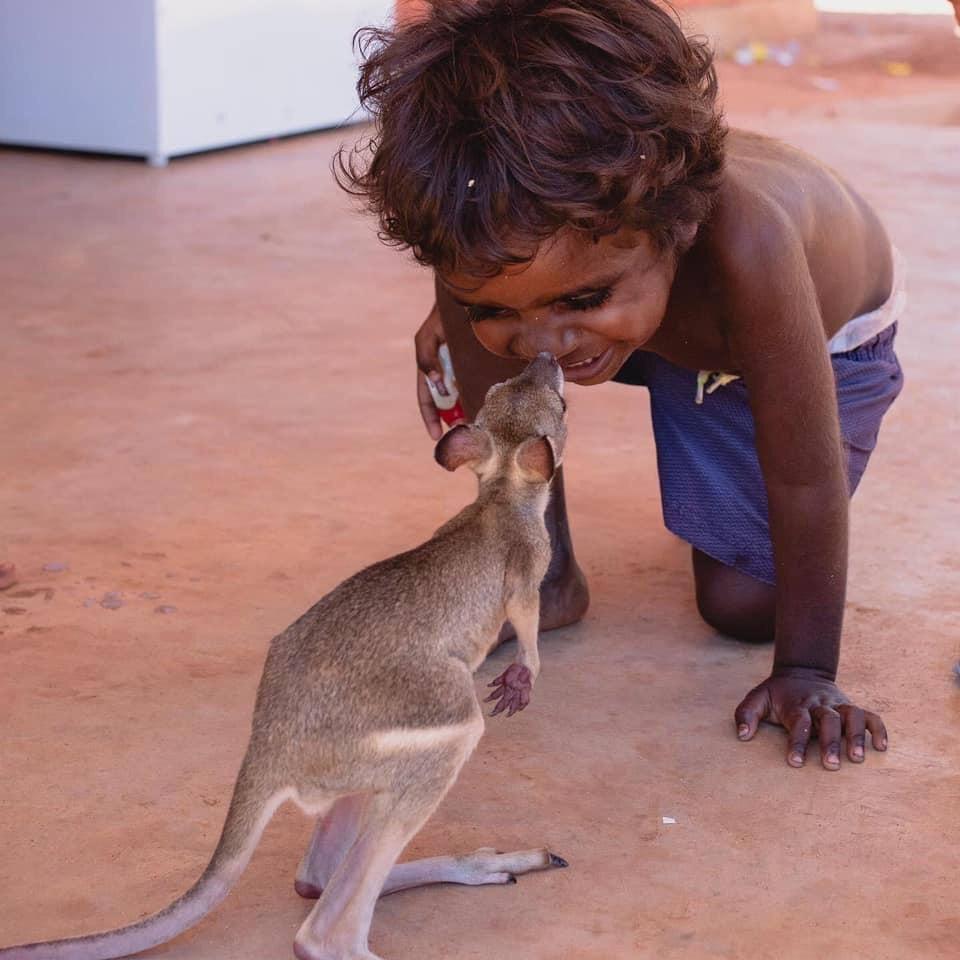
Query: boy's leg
x=732, y=602
x=564, y=596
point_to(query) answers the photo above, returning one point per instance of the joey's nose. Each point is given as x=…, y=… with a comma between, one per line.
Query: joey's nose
x=545, y=356
x=545, y=368
x=544, y=364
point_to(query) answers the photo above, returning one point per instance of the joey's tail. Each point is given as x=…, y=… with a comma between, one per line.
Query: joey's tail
x=251, y=808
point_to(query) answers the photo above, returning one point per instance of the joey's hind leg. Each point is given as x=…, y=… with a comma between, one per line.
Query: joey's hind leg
x=484, y=866
x=339, y=924
x=332, y=837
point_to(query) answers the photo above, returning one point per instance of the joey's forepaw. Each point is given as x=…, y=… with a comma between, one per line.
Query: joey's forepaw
x=512, y=690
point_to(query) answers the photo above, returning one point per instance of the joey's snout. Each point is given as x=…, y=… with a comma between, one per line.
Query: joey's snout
x=545, y=369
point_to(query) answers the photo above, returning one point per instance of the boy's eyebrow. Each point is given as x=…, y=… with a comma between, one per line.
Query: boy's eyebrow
x=599, y=283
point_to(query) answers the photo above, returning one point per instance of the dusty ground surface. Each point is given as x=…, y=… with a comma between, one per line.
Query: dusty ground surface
x=208, y=406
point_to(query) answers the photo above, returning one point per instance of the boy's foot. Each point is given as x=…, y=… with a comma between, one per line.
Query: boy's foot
x=8, y=575
x=563, y=600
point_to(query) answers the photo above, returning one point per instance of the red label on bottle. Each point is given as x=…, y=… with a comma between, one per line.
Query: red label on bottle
x=452, y=416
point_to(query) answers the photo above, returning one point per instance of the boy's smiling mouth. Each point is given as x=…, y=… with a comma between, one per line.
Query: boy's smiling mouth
x=587, y=368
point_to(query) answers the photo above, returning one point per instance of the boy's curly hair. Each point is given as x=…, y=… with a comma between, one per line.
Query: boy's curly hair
x=498, y=122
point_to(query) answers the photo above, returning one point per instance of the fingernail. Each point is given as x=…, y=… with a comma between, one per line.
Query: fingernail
x=833, y=759
x=858, y=753
x=796, y=760
x=743, y=731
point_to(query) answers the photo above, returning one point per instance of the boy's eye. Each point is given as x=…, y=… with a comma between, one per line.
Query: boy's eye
x=589, y=301
x=476, y=314
x=585, y=301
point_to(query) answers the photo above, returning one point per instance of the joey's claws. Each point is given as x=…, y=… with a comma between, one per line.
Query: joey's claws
x=512, y=691
x=556, y=861
x=512, y=879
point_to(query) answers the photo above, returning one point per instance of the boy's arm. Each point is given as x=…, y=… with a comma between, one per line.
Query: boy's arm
x=776, y=334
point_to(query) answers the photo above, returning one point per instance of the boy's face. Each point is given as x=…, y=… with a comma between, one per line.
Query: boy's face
x=590, y=304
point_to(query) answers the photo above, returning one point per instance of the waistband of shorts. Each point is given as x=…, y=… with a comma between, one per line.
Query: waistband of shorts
x=863, y=329
x=879, y=347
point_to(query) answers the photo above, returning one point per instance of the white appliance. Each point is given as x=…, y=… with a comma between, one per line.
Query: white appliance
x=160, y=78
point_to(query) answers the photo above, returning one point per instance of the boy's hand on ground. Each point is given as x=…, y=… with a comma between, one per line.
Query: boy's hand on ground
x=804, y=703
x=426, y=343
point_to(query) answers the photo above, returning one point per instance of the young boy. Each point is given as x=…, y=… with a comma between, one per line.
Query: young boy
x=564, y=168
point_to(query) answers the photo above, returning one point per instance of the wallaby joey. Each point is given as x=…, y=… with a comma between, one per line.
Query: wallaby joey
x=367, y=709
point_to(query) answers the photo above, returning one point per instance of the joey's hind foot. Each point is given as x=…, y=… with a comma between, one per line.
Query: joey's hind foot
x=490, y=866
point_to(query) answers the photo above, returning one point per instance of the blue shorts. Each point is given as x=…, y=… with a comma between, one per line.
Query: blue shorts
x=711, y=485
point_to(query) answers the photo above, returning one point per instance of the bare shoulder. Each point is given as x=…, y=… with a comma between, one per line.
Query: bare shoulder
x=781, y=212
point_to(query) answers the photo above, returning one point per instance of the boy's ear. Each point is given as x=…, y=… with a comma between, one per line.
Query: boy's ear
x=461, y=445
x=537, y=459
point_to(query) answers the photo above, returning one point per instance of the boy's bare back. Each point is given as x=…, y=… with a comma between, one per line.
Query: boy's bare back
x=780, y=213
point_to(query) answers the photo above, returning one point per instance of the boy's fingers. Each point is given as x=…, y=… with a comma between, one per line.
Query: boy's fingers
x=853, y=728
x=753, y=708
x=829, y=731
x=799, y=727
x=428, y=410
x=426, y=346
x=426, y=342
x=878, y=732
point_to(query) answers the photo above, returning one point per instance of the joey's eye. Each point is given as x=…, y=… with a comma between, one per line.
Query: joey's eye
x=589, y=301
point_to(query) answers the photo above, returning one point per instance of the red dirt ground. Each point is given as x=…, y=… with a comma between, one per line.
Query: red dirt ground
x=208, y=405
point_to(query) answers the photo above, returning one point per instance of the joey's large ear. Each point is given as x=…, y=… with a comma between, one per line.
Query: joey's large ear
x=537, y=459
x=463, y=444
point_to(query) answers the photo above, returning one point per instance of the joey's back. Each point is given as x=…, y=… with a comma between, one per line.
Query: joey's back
x=401, y=624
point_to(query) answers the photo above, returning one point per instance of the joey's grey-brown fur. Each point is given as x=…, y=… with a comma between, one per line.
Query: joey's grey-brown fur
x=367, y=710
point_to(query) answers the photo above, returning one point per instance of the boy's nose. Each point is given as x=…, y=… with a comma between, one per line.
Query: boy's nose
x=556, y=342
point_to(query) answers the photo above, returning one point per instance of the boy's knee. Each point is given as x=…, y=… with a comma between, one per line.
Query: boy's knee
x=734, y=603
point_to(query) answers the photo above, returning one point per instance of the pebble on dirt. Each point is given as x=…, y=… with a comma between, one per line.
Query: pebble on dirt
x=112, y=600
